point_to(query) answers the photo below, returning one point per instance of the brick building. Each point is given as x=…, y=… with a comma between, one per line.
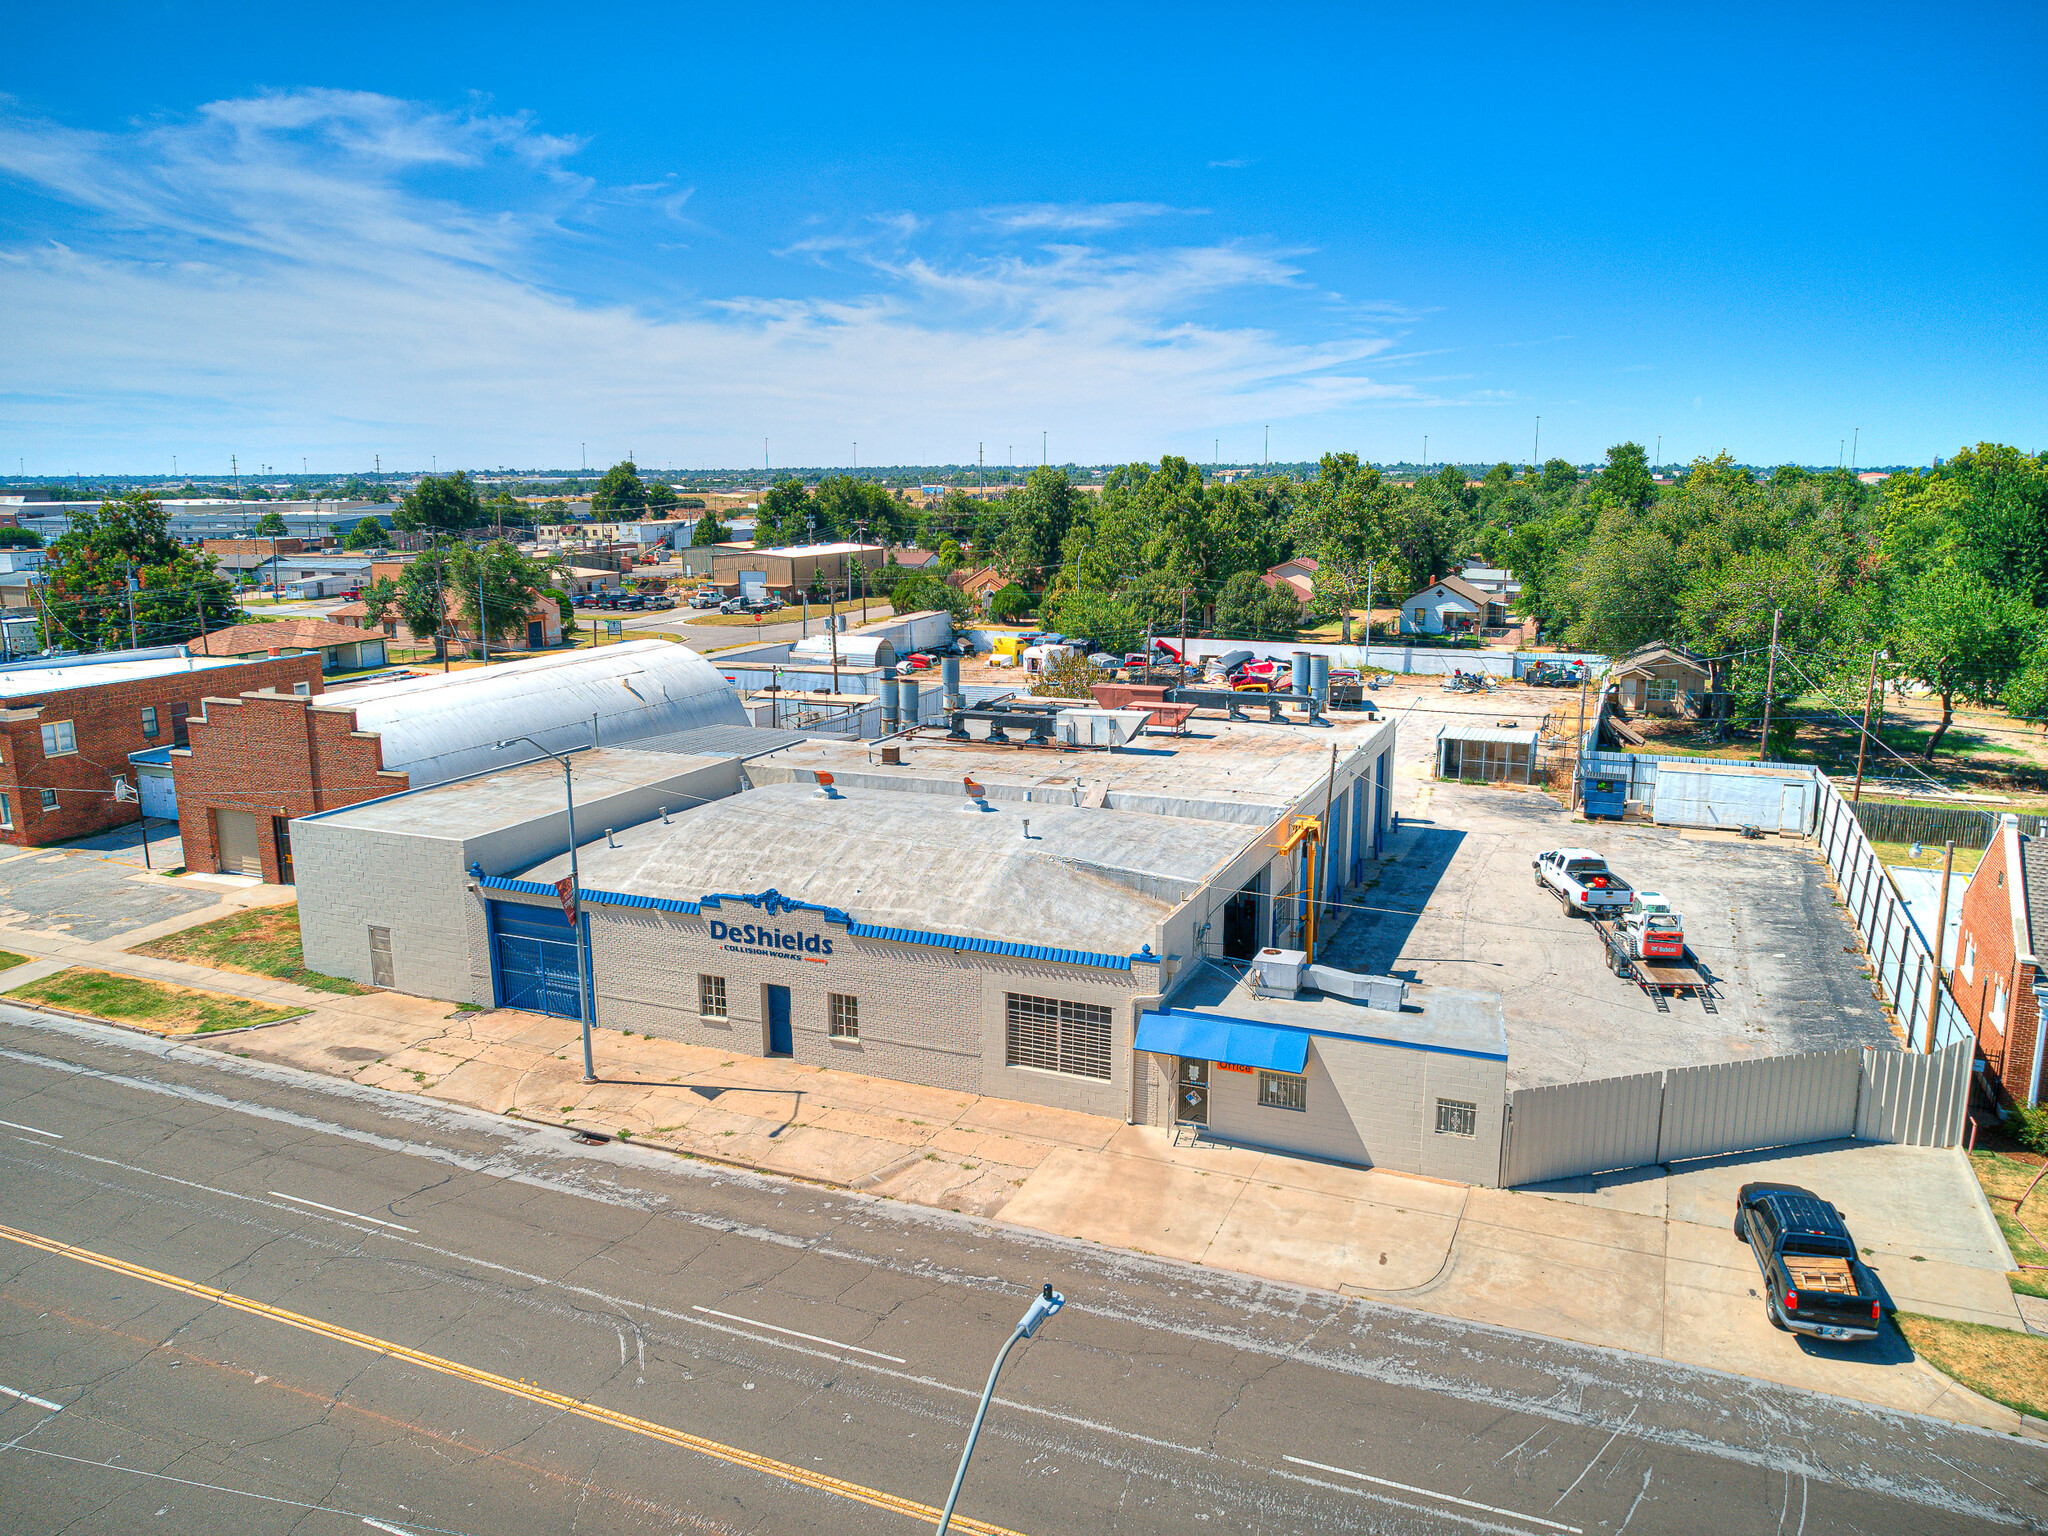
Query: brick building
x=66, y=729
x=256, y=761
x=1995, y=974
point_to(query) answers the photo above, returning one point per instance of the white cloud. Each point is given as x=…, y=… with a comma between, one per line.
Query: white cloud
x=335, y=274
x=1077, y=217
x=1231, y=165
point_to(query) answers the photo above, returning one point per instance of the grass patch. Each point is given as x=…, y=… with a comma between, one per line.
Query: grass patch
x=172, y=1010
x=260, y=942
x=1900, y=855
x=876, y=609
x=9, y=959
x=1998, y=1363
x=2004, y=1178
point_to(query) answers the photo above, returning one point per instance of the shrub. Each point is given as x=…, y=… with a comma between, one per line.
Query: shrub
x=1010, y=604
x=2027, y=1124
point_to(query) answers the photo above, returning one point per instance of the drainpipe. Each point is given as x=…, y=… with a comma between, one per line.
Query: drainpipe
x=2040, y=1027
x=1140, y=1006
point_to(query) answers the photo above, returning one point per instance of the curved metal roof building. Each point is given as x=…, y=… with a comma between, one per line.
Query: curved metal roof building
x=439, y=728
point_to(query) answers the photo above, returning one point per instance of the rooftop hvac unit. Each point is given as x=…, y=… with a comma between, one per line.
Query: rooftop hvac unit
x=1387, y=992
x=1099, y=727
x=1277, y=972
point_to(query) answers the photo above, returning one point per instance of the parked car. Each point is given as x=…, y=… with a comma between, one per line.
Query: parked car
x=1582, y=880
x=1813, y=1281
x=708, y=598
x=661, y=602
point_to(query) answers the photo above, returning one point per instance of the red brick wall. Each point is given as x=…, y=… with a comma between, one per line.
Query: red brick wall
x=272, y=755
x=1987, y=921
x=106, y=719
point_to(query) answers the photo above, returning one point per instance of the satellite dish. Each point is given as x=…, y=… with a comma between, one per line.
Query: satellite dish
x=124, y=792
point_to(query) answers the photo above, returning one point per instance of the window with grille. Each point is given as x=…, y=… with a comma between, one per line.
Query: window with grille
x=1455, y=1118
x=1283, y=1090
x=1663, y=689
x=6, y=812
x=711, y=996
x=845, y=1016
x=1054, y=1035
x=59, y=737
x=49, y=799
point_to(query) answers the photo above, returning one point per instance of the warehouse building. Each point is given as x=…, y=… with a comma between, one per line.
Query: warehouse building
x=1070, y=927
x=257, y=760
x=792, y=571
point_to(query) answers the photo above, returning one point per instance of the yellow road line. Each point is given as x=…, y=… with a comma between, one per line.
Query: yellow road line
x=801, y=1476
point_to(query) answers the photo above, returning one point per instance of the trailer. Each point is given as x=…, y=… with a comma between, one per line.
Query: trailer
x=1660, y=978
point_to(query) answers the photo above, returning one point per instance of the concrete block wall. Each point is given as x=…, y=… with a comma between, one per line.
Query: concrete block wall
x=351, y=880
x=927, y=1015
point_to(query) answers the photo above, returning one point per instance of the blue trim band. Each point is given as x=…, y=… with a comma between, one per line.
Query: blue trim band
x=1180, y=1015
x=857, y=930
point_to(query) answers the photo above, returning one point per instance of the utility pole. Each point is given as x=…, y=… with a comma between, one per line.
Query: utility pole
x=1269, y=447
x=1536, y=448
x=1579, y=740
x=130, y=585
x=483, y=623
x=1770, y=685
x=1425, y=450
x=1042, y=438
x=1948, y=865
x=1855, y=448
x=1863, y=738
x=980, y=478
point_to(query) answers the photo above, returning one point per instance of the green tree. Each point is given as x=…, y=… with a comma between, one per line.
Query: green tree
x=620, y=494
x=1962, y=638
x=439, y=504
x=505, y=510
x=1010, y=604
x=919, y=594
x=661, y=498
x=85, y=600
x=19, y=538
x=709, y=529
x=564, y=607
x=1248, y=609
x=1112, y=625
x=271, y=525
x=1356, y=526
x=1627, y=477
x=367, y=533
x=1558, y=480
x=379, y=599
x=422, y=600
x=495, y=587
x=554, y=510
x=784, y=517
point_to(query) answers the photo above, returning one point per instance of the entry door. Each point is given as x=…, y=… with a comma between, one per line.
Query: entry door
x=241, y=852
x=536, y=955
x=536, y=634
x=1791, y=809
x=779, y=1041
x=1191, y=1098
x=1241, y=924
x=159, y=796
x=281, y=834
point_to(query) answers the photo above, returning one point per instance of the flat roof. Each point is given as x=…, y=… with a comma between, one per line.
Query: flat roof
x=1221, y=770
x=1447, y=1019
x=822, y=549
x=501, y=798
x=1488, y=733
x=1086, y=879
x=85, y=672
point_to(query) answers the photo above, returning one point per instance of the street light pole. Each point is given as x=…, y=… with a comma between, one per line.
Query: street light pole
x=576, y=887
x=1043, y=1305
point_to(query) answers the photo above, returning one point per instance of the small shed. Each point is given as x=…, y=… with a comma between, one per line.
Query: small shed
x=159, y=792
x=1487, y=752
x=1661, y=679
x=857, y=651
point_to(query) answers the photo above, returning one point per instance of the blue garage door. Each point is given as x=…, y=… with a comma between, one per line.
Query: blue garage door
x=536, y=960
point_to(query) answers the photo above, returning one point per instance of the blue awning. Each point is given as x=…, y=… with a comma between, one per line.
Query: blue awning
x=1235, y=1041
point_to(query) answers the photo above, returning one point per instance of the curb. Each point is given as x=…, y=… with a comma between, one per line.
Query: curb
x=138, y=1029
x=734, y=1163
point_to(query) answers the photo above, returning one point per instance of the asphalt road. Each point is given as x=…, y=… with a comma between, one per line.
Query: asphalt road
x=611, y=1339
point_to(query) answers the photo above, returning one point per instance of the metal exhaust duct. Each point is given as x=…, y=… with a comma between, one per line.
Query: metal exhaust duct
x=891, y=715
x=949, y=674
x=1319, y=669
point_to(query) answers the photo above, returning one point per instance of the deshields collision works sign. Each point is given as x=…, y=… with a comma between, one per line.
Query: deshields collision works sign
x=760, y=939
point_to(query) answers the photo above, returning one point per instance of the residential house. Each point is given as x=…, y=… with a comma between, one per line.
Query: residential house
x=1660, y=679
x=68, y=725
x=1297, y=576
x=1451, y=606
x=543, y=626
x=341, y=647
x=978, y=585
x=1996, y=974
x=256, y=760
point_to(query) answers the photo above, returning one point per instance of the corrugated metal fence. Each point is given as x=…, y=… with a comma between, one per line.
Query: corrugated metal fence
x=1742, y=1106
x=1900, y=961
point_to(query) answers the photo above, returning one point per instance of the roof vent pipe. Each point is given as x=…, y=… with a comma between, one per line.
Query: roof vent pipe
x=949, y=673
x=1299, y=675
x=1027, y=829
x=910, y=702
x=664, y=815
x=825, y=791
x=609, y=840
x=892, y=713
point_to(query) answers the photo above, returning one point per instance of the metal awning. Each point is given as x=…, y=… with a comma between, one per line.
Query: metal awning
x=1235, y=1041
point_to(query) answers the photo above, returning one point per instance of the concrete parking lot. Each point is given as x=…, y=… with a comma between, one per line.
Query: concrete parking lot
x=92, y=893
x=1460, y=907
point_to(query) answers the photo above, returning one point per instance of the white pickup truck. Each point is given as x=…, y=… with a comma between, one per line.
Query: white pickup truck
x=1583, y=882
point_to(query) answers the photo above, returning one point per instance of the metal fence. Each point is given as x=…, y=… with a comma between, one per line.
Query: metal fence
x=1964, y=825
x=1614, y=1123
x=1900, y=961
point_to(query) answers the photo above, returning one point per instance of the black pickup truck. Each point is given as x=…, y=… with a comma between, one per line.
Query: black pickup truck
x=1813, y=1281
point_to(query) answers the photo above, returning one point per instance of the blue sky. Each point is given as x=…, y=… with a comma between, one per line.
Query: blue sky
x=496, y=235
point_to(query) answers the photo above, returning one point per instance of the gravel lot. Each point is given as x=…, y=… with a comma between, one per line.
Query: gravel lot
x=1462, y=908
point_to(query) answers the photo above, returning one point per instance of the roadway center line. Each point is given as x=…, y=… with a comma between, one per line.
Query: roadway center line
x=1431, y=1493
x=40, y=1402
x=338, y=1211
x=772, y=1328
x=752, y=1461
x=31, y=1129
